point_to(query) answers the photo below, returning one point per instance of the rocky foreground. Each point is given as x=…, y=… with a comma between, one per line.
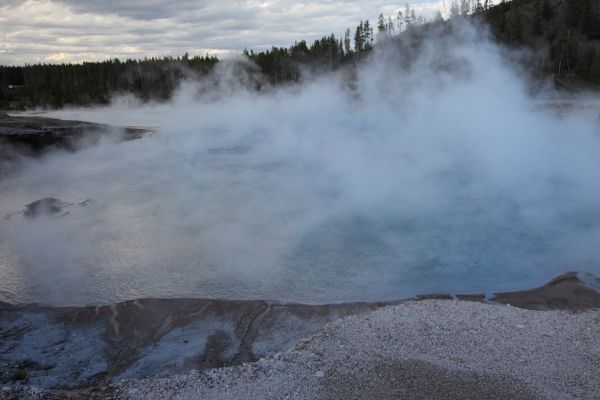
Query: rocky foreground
x=420, y=348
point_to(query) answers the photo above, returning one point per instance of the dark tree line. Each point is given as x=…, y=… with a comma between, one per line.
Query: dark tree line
x=283, y=65
x=57, y=85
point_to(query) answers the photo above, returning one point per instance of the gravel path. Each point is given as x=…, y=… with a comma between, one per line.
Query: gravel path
x=417, y=350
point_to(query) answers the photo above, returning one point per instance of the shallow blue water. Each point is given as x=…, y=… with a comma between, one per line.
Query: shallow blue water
x=213, y=215
x=124, y=245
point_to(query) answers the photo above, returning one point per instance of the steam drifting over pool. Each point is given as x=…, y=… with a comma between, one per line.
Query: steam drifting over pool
x=435, y=175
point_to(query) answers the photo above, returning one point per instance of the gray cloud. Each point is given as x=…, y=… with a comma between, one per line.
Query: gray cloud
x=71, y=30
x=137, y=9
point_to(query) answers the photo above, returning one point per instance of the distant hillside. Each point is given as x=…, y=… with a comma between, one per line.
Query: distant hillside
x=566, y=34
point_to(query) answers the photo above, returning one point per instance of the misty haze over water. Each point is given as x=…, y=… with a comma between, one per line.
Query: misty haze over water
x=439, y=175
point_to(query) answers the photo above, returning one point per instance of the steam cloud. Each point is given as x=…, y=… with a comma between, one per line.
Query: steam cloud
x=436, y=174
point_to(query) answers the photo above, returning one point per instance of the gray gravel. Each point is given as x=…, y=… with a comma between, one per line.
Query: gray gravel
x=418, y=350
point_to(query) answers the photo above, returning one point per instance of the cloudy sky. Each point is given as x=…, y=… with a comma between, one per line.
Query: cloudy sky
x=77, y=30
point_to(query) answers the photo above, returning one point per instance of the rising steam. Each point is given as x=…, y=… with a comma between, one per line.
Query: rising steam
x=432, y=170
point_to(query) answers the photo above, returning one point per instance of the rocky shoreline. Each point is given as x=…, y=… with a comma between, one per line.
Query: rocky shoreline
x=74, y=350
x=33, y=136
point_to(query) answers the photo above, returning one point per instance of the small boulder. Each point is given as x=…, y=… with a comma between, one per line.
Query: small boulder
x=45, y=206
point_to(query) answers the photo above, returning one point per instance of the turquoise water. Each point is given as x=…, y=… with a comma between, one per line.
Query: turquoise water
x=221, y=223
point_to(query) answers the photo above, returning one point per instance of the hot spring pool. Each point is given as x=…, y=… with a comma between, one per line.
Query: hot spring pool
x=230, y=222
x=313, y=194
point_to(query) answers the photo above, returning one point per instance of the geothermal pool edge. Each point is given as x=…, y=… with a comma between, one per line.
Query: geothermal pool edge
x=70, y=351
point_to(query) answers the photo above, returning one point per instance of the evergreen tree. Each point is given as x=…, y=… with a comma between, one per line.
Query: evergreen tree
x=478, y=7
x=516, y=29
x=390, y=26
x=454, y=9
x=537, y=24
x=465, y=7
x=367, y=35
x=359, y=38
x=585, y=63
x=407, y=16
x=574, y=10
x=381, y=25
x=595, y=69
x=547, y=10
x=400, y=20
x=347, y=41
